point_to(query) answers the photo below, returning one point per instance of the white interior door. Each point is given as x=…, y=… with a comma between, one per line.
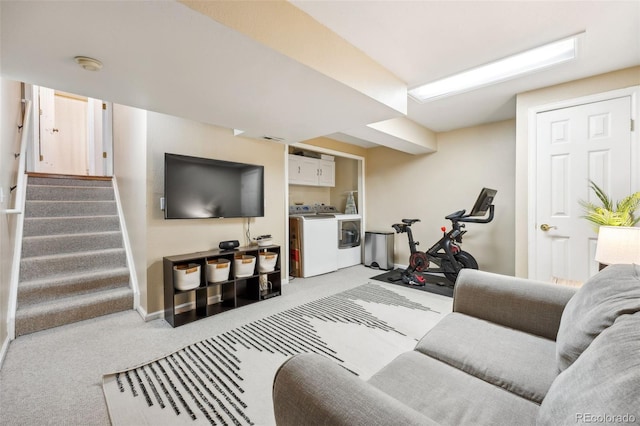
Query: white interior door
x=47, y=131
x=70, y=153
x=74, y=137
x=574, y=145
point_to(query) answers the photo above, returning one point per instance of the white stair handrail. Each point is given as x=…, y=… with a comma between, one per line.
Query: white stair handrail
x=19, y=210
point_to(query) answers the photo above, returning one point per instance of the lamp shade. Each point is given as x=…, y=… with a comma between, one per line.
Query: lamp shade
x=618, y=244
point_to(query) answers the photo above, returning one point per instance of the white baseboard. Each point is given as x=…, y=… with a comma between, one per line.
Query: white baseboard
x=179, y=308
x=184, y=307
x=211, y=300
x=149, y=317
x=133, y=276
x=4, y=350
x=153, y=316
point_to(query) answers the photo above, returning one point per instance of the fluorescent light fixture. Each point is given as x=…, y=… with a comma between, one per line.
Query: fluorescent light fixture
x=503, y=69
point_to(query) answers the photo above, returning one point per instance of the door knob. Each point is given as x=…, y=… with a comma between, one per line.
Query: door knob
x=546, y=227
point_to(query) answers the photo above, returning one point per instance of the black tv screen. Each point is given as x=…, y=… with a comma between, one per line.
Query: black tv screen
x=199, y=188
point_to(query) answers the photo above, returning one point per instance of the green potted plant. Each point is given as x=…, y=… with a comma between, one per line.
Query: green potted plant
x=609, y=213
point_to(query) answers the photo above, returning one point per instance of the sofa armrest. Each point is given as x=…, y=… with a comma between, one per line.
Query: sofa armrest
x=531, y=306
x=310, y=389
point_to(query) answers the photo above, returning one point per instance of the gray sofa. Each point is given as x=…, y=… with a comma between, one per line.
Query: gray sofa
x=512, y=352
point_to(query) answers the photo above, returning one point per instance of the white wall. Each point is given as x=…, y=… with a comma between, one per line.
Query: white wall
x=526, y=101
x=431, y=186
x=304, y=194
x=346, y=180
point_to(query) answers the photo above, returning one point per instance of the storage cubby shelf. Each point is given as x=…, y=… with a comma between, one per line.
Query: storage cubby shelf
x=185, y=306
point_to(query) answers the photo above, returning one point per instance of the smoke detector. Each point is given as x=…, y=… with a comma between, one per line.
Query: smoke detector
x=88, y=64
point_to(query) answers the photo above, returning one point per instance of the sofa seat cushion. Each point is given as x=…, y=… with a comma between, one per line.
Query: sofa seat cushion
x=310, y=389
x=603, y=384
x=450, y=396
x=516, y=361
x=612, y=292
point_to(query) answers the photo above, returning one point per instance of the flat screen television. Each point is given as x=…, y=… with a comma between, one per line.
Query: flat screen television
x=200, y=188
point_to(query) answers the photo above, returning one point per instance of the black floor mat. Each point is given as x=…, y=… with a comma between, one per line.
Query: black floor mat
x=434, y=283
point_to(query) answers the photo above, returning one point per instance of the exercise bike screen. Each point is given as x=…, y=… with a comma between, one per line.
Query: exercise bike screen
x=483, y=202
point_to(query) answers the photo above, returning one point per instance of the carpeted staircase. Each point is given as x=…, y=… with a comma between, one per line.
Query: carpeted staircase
x=73, y=263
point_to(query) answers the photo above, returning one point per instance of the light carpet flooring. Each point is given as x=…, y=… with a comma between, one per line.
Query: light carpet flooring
x=55, y=376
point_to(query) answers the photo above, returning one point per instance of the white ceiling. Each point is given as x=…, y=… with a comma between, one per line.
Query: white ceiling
x=422, y=41
x=162, y=56
x=165, y=57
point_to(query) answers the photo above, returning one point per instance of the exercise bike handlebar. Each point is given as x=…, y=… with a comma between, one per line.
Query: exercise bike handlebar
x=472, y=219
x=453, y=217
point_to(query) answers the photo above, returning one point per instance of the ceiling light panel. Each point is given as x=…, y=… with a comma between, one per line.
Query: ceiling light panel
x=504, y=69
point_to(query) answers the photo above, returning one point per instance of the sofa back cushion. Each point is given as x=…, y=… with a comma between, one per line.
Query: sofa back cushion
x=613, y=292
x=602, y=386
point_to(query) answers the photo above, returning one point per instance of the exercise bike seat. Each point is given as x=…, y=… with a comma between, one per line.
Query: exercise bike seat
x=410, y=221
x=455, y=215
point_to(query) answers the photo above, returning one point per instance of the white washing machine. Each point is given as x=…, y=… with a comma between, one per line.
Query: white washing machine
x=312, y=245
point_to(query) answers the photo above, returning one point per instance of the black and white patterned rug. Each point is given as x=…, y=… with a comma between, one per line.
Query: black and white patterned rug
x=227, y=379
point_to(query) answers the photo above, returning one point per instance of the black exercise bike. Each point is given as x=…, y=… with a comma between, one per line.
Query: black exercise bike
x=446, y=254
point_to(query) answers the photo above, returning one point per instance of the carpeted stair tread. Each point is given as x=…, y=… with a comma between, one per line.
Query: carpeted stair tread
x=40, y=245
x=69, y=193
x=62, y=264
x=37, y=208
x=45, y=289
x=73, y=309
x=67, y=181
x=70, y=224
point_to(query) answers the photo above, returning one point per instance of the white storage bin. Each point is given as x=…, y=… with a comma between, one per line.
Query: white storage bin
x=218, y=270
x=186, y=277
x=244, y=265
x=267, y=261
x=262, y=242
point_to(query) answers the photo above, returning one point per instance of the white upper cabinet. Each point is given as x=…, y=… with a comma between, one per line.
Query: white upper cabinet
x=303, y=170
x=326, y=173
x=311, y=171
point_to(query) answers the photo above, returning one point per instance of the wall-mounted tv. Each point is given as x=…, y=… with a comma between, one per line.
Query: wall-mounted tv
x=199, y=188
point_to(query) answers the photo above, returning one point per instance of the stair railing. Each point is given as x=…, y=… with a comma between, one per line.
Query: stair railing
x=18, y=209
